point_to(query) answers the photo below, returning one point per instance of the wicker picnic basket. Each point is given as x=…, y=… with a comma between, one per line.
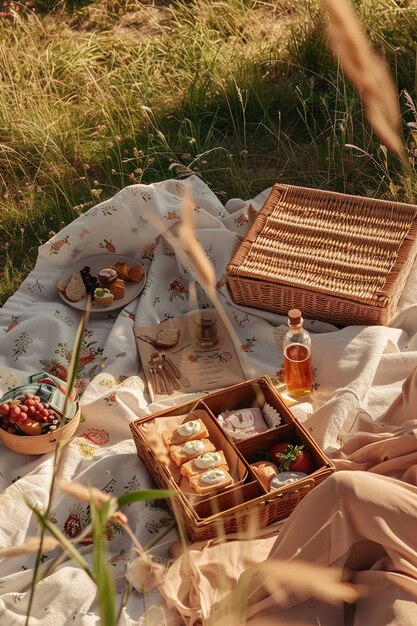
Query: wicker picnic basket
x=248, y=503
x=339, y=258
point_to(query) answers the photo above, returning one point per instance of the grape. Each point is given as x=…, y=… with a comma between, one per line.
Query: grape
x=86, y=268
x=16, y=412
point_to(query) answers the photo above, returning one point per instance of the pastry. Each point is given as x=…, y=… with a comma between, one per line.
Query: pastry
x=107, y=275
x=189, y=450
x=117, y=288
x=103, y=297
x=126, y=271
x=75, y=289
x=204, y=462
x=212, y=480
x=187, y=431
x=265, y=472
x=136, y=273
x=122, y=270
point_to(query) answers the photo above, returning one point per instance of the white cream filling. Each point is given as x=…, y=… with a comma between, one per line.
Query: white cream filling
x=193, y=447
x=213, y=477
x=189, y=428
x=207, y=460
x=285, y=478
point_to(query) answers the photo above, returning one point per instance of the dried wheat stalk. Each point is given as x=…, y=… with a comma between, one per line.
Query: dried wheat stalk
x=367, y=71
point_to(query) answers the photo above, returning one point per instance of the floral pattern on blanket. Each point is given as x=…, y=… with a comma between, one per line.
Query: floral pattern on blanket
x=362, y=366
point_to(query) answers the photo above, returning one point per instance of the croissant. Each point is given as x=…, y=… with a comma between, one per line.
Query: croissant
x=122, y=270
x=117, y=288
x=126, y=271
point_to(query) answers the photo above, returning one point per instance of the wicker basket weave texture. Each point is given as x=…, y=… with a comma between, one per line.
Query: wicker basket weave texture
x=239, y=509
x=356, y=250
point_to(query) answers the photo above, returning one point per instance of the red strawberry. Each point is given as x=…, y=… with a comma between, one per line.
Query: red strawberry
x=290, y=457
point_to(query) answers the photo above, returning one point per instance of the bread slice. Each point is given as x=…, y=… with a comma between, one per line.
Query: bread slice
x=189, y=450
x=173, y=436
x=167, y=338
x=62, y=284
x=201, y=483
x=75, y=289
x=204, y=462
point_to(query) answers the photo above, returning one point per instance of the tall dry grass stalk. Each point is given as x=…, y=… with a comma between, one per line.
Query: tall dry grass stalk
x=367, y=72
x=71, y=380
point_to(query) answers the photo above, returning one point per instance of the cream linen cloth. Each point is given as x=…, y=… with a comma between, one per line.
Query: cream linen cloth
x=357, y=370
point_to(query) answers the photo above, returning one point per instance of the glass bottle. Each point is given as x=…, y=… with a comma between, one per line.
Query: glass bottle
x=296, y=345
x=205, y=328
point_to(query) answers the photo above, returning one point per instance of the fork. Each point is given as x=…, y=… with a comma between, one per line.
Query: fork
x=154, y=378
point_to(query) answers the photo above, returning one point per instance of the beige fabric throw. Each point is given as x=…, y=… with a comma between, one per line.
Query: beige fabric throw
x=363, y=521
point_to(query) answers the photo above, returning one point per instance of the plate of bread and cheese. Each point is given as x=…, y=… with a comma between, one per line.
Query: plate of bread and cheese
x=112, y=281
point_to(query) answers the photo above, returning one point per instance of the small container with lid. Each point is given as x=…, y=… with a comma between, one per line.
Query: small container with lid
x=296, y=345
x=205, y=328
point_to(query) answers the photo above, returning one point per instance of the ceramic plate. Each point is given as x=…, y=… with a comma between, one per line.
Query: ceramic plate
x=97, y=263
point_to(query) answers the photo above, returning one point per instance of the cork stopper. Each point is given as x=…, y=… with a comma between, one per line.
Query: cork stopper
x=294, y=317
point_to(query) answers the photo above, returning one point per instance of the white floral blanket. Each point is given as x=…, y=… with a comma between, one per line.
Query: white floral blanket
x=356, y=368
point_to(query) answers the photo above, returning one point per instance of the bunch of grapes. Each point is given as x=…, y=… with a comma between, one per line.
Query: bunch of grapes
x=15, y=412
x=91, y=282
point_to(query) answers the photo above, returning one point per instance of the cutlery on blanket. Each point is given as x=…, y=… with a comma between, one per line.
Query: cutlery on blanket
x=169, y=382
x=153, y=369
x=175, y=372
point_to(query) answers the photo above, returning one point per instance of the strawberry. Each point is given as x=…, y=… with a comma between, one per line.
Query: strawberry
x=290, y=457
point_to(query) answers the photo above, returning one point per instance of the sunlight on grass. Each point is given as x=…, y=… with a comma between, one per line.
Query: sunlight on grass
x=96, y=96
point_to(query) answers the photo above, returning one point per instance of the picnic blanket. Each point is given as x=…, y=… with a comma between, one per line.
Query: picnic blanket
x=358, y=373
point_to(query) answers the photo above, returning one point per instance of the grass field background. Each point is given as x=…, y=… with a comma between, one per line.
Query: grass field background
x=98, y=95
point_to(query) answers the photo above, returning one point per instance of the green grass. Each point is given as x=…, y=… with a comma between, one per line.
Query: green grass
x=99, y=95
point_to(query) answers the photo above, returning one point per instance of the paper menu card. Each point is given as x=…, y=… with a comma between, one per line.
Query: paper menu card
x=186, y=367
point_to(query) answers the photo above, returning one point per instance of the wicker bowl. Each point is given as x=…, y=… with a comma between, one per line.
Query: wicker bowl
x=51, y=390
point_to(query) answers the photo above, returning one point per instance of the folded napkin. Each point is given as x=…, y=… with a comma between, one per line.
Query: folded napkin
x=244, y=423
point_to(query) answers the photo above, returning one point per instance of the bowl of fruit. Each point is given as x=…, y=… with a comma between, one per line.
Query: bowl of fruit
x=32, y=419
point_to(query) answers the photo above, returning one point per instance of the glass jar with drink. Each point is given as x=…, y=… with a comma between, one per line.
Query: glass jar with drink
x=296, y=345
